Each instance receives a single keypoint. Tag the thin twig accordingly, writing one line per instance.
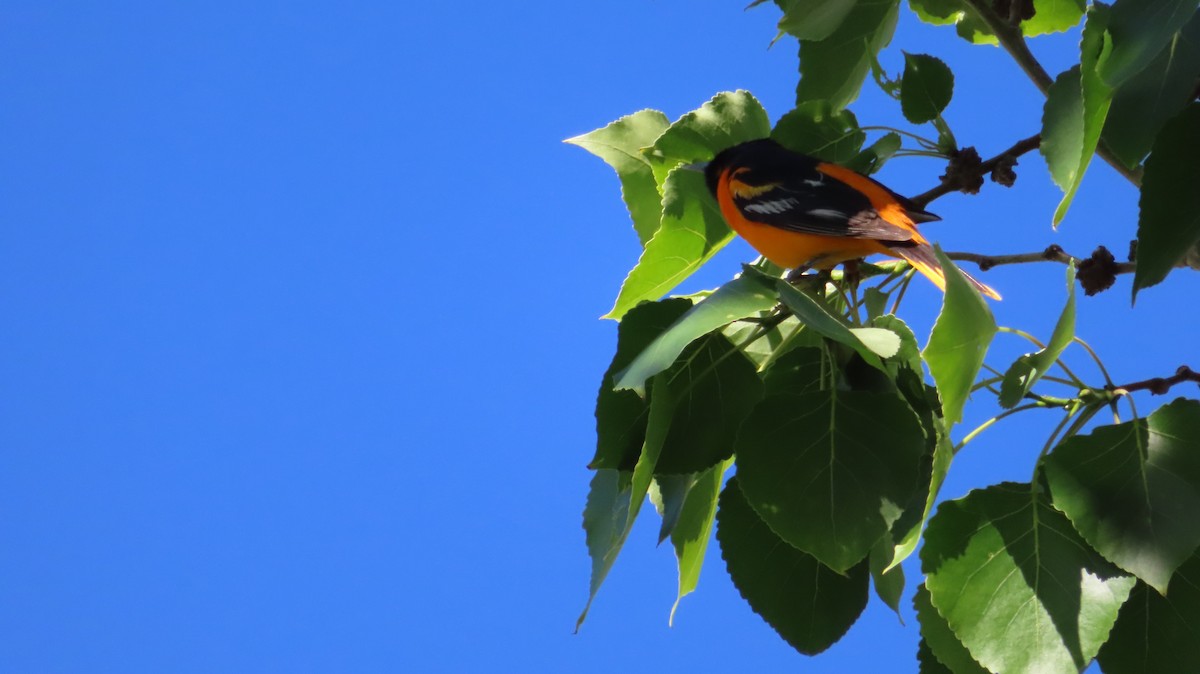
(1158, 385)
(1053, 253)
(953, 184)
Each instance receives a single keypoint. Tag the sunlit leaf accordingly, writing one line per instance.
(619, 144)
(1133, 490)
(1050, 16)
(833, 69)
(1053, 16)
(815, 128)
(943, 456)
(1076, 107)
(744, 296)
(810, 605)
(1016, 584)
(959, 341)
(940, 639)
(823, 473)
(692, 231)
(729, 118)
(1169, 222)
(691, 533)
(1031, 367)
(818, 317)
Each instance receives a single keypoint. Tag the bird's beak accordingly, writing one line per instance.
(695, 166)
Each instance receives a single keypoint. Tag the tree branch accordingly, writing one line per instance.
(1013, 41)
(1095, 273)
(1053, 253)
(1159, 385)
(954, 181)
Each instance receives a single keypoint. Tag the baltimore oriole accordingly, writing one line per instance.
(799, 211)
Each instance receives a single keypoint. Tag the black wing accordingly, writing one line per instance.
(800, 198)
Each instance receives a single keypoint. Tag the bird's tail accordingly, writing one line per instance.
(922, 258)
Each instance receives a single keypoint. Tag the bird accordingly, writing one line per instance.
(804, 213)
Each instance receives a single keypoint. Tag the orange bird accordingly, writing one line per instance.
(799, 211)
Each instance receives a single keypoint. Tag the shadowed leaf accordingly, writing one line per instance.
(811, 606)
(1133, 490)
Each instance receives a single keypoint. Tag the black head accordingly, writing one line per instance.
(764, 153)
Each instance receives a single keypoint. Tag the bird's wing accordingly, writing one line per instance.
(808, 201)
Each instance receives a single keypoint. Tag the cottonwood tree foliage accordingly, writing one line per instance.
(1096, 556)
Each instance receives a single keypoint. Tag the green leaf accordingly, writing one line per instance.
(959, 341)
(619, 144)
(746, 295)
(824, 474)
(939, 12)
(909, 352)
(881, 341)
(815, 128)
(833, 69)
(874, 157)
(658, 425)
(777, 341)
(714, 387)
(1144, 102)
(1169, 222)
(1133, 490)
(1074, 113)
(943, 456)
(888, 580)
(875, 301)
(816, 315)
(1053, 16)
(1156, 633)
(606, 521)
(621, 415)
(1028, 369)
(1140, 29)
(691, 533)
(1016, 584)
(809, 20)
(1062, 128)
(927, 663)
(810, 605)
(940, 639)
(692, 231)
(926, 88)
(725, 120)
(668, 493)
(801, 370)
(969, 25)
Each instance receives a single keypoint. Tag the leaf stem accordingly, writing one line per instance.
(929, 144)
(987, 424)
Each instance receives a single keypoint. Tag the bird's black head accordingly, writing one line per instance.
(763, 153)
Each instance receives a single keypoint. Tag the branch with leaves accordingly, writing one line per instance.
(789, 382)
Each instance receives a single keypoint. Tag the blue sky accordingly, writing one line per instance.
(301, 338)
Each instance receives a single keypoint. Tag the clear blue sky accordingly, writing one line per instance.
(300, 337)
